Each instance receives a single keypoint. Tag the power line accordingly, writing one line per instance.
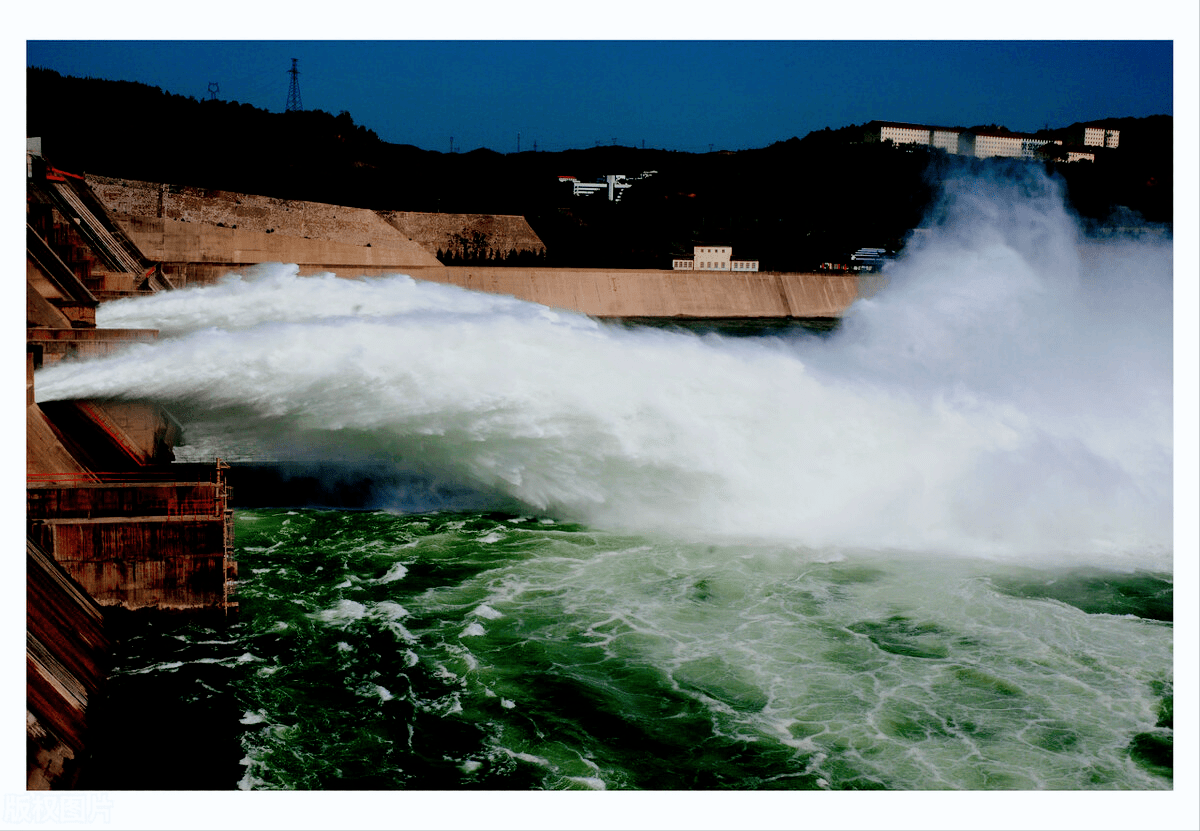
(293, 101)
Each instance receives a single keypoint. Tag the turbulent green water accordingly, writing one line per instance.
(478, 650)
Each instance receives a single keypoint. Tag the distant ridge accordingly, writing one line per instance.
(790, 205)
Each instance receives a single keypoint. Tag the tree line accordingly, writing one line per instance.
(790, 205)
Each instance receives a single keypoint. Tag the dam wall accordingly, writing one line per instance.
(247, 212)
(661, 293)
(199, 235)
(433, 232)
(66, 656)
(454, 233)
(204, 253)
(136, 545)
(191, 252)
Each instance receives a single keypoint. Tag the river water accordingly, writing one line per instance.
(930, 548)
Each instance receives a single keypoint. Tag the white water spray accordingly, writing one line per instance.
(1010, 391)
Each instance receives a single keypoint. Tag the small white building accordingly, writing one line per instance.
(713, 258)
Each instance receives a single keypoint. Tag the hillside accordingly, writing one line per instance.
(790, 205)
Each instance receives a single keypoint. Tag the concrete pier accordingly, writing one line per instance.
(162, 545)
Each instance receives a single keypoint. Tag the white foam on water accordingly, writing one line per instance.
(528, 757)
(166, 666)
(396, 572)
(344, 612)
(390, 609)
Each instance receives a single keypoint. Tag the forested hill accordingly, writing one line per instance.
(791, 205)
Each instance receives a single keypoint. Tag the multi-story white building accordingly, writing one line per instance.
(945, 139)
(1007, 145)
(979, 143)
(1097, 135)
(713, 258)
(951, 139)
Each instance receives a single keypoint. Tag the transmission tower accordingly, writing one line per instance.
(293, 104)
(213, 89)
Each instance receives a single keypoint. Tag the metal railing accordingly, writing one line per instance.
(186, 475)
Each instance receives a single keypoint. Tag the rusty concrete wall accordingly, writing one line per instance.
(141, 562)
(445, 232)
(123, 499)
(66, 655)
(144, 540)
(41, 312)
(658, 293)
(57, 344)
(147, 536)
(149, 428)
(111, 436)
(45, 453)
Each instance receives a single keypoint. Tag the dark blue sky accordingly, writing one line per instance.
(679, 95)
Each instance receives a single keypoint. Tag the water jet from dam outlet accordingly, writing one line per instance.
(1010, 392)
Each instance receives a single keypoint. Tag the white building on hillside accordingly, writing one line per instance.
(614, 184)
(979, 143)
(951, 139)
(713, 258)
(1097, 136)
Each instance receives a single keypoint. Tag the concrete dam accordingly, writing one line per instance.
(198, 235)
(112, 521)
